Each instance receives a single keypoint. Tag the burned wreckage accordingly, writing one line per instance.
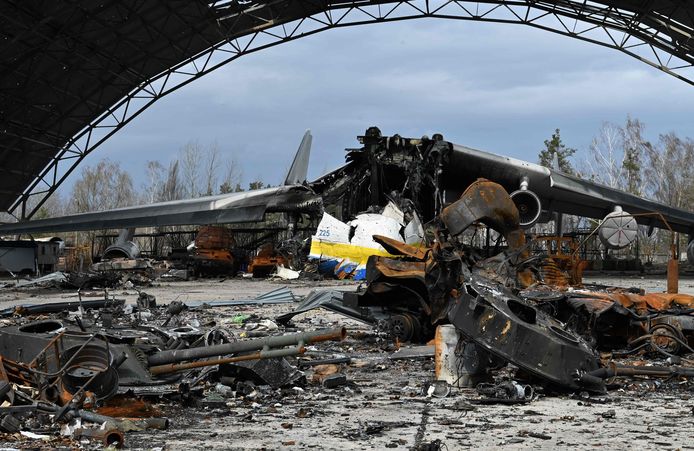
(98, 366)
(403, 215)
(514, 303)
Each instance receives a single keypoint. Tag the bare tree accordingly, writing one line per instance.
(616, 155)
(172, 188)
(231, 181)
(668, 171)
(668, 175)
(606, 156)
(154, 183)
(211, 168)
(102, 187)
(191, 158)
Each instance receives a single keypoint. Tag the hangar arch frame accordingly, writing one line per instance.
(249, 27)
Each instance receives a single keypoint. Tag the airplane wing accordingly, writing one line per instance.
(245, 206)
(559, 192)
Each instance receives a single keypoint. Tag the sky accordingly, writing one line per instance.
(500, 88)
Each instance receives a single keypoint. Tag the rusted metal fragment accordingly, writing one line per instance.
(673, 272)
(483, 201)
(562, 267)
(615, 317)
(111, 437)
(490, 204)
(517, 332)
(266, 261)
(396, 247)
(395, 269)
(643, 303)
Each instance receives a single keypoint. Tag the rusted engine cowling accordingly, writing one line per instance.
(486, 202)
(489, 203)
(618, 230)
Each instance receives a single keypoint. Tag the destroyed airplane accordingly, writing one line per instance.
(343, 249)
(419, 176)
(504, 306)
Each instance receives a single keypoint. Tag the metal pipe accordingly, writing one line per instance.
(121, 423)
(673, 271)
(657, 371)
(108, 437)
(266, 343)
(175, 367)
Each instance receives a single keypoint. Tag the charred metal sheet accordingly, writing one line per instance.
(331, 300)
(517, 332)
(396, 247)
(279, 296)
(24, 343)
(393, 268)
(57, 307)
(276, 372)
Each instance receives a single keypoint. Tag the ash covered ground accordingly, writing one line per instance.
(385, 403)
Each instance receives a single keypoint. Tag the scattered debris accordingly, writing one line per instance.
(481, 330)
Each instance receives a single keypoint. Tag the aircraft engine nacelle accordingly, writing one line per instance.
(528, 204)
(618, 229)
(127, 249)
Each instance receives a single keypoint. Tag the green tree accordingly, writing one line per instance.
(225, 188)
(634, 149)
(555, 148)
(256, 185)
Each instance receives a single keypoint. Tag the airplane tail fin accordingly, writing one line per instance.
(298, 172)
(555, 161)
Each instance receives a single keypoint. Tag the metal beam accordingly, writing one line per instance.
(659, 37)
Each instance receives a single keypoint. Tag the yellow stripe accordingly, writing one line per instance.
(340, 251)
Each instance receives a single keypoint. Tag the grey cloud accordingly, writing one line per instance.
(501, 88)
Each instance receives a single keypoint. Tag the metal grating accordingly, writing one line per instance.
(73, 73)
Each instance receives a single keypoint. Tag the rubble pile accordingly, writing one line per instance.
(75, 373)
(454, 331)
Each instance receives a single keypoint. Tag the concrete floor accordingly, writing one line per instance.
(383, 406)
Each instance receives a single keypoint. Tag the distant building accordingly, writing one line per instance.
(30, 257)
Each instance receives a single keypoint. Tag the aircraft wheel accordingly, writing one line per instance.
(402, 327)
(416, 327)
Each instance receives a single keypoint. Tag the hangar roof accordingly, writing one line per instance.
(65, 64)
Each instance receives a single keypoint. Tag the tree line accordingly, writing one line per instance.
(619, 156)
(197, 171)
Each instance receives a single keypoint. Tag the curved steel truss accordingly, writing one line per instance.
(657, 33)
